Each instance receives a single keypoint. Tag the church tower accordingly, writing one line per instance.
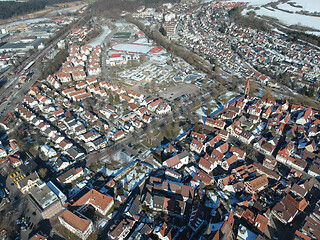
(247, 88)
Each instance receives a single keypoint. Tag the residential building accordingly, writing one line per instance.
(77, 224)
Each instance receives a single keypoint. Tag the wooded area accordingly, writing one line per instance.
(114, 7)
(310, 38)
(249, 20)
(9, 8)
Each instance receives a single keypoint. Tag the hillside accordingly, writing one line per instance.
(11, 8)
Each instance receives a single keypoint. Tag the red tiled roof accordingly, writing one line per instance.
(37, 236)
(261, 222)
(173, 161)
(301, 236)
(205, 163)
(249, 216)
(94, 198)
(58, 112)
(259, 182)
(75, 221)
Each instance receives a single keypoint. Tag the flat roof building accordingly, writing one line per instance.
(46, 202)
(20, 46)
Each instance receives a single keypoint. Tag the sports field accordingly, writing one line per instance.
(121, 35)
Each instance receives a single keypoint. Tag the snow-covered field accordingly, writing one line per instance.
(213, 200)
(121, 157)
(119, 24)
(255, 2)
(308, 5)
(63, 11)
(229, 94)
(105, 32)
(259, 128)
(288, 7)
(291, 18)
(134, 177)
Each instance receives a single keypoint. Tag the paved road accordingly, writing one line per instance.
(14, 97)
(21, 207)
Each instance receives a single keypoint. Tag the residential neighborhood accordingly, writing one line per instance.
(169, 120)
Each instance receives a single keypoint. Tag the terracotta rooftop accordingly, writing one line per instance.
(261, 222)
(94, 198)
(259, 182)
(38, 236)
(173, 161)
(75, 221)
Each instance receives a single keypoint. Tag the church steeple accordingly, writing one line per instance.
(247, 88)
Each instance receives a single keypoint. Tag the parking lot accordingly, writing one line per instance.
(172, 93)
(20, 212)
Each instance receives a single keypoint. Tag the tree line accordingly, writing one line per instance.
(10, 8)
(249, 20)
(54, 65)
(310, 38)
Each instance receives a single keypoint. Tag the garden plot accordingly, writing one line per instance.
(135, 176)
(227, 96)
(212, 106)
